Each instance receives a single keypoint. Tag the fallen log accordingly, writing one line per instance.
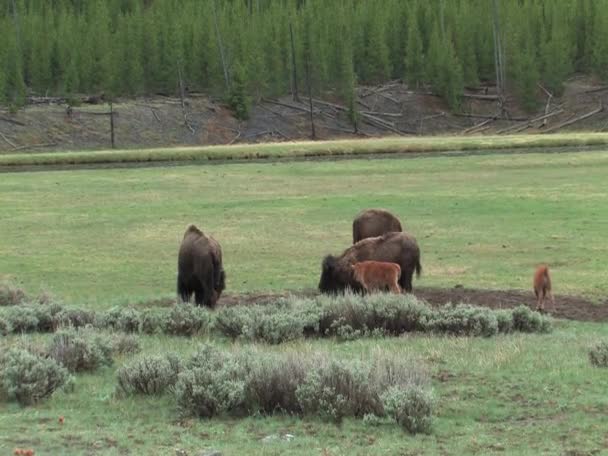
(477, 96)
(36, 146)
(8, 141)
(576, 119)
(478, 126)
(516, 128)
(11, 121)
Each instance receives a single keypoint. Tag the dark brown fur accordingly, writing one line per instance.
(401, 248)
(199, 268)
(378, 275)
(542, 287)
(373, 223)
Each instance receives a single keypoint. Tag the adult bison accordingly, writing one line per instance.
(401, 248)
(374, 222)
(199, 268)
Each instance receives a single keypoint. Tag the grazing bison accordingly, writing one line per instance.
(542, 287)
(401, 248)
(374, 222)
(378, 275)
(199, 268)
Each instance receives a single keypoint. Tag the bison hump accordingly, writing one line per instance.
(193, 229)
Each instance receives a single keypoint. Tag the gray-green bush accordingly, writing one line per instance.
(463, 320)
(185, 320)
(598, 354)
(411, 408)
(149, 375)
(215, 382)
(125, 344)
(80, 350)
(10, 295)
(29, 378)
(351, 316)
(525, 320)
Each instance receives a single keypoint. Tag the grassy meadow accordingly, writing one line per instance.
(93, 237)
(97, 238)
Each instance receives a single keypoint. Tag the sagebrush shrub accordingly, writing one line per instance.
(185, 320)
(337, 389)
(272, 382)
(46, 313)
(526, 320)
(213, 383)
(463, 320)
(412, 408)
(5, 327)
(29, 378)
(150, 322)
(22, 319)
(80, 350)
(125, 344)
(11, 295)
(272, 323)
(124, 319)
(598, 354)
(76, 318)
(150, 375)
(504, 319)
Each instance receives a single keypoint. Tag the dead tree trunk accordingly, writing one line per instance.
(312, 120)
(112, 125)
(294, 68)
(499, 56)
(221, 46)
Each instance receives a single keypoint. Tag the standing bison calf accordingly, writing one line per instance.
(542, 287)
(378, 275)
(199, 268)
(374, 222)
(400, 248)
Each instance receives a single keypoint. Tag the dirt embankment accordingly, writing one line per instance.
(390, 109)
(568, 307)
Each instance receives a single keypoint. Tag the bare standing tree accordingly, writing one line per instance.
(499, 52)
(294, 68)
(220, 45)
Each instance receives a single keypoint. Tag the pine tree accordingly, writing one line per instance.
(465, 45)
(237, 98)
(414, 57)
(600, 41)
(14, 84)
(557, 51)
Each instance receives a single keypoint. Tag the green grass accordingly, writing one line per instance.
(98, 237)
(518, 394)
(306, 149)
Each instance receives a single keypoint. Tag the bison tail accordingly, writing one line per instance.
(418, 268)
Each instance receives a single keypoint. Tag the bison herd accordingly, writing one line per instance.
(382, 257)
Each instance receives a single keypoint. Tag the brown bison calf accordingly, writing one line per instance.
(378, 275)
(542, 287)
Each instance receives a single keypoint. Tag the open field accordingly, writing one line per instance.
(96, 238)
(388, 145)
(99, 236)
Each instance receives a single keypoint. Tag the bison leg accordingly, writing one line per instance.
(540, 303)
(183, 292)
(395, 287)
(199, 296)
(552, 299)
(406, 280)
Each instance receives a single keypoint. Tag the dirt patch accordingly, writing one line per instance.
(393, 108)
(568, 307)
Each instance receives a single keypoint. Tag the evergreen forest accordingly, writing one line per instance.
(246, 49)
